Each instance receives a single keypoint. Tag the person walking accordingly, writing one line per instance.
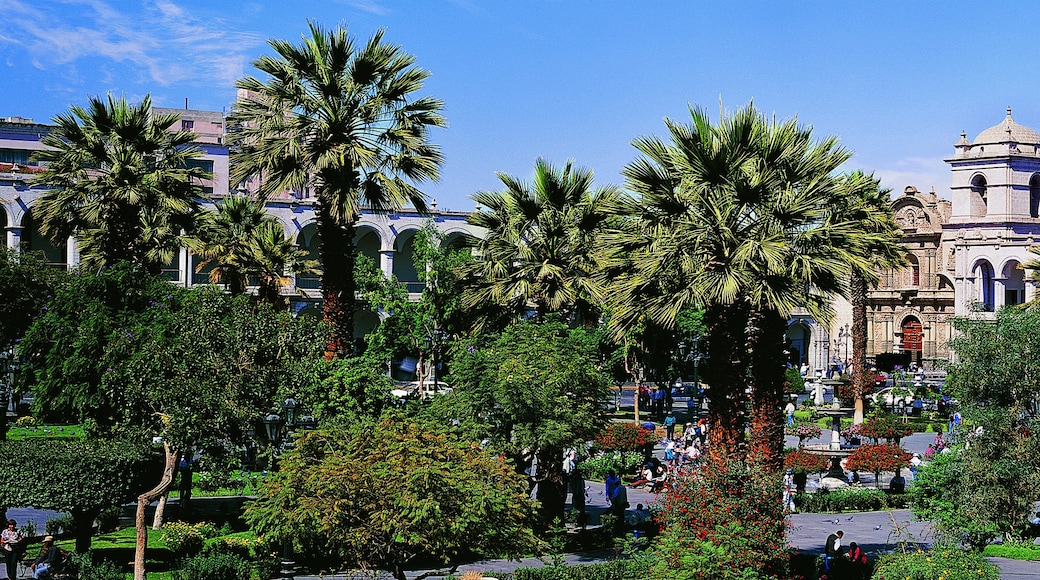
(790, 412)
(669, 426)
(618, 506)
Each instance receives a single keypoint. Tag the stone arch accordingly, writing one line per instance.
(307, 239)
(912, 332)
(980, 195)
(404, 259)
(55, 255)
(944, 282)
(798, 339)
(983, 281)
(368, 242)
(1014, 282)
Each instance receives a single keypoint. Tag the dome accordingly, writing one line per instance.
(1007, 131)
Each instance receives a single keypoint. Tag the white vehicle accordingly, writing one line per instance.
(411, 390)
(893, 396)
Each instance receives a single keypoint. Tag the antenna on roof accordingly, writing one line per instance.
(185, 103)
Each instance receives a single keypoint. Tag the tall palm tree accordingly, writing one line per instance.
(340, 118)
(865, 202)
(274, 256)
(119, 181)
(733, 217)
(539, 243)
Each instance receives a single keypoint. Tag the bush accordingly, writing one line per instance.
(59, 525)
(805, 462)
(85, 567)
(215, 480)
(945, 563)
(25, 422)
(184, 539)
(214, 566)
(623, 437)
(620, 461)
(108, 520)
(238, 546)
(850, 499)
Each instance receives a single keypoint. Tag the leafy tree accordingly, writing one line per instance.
(349, 389)
(540, 244)
(25, 286)
(339, 118)
(81, 477)
(120, 182)
(998, 363)
(123, 350)
(531, 391)
(380, 493)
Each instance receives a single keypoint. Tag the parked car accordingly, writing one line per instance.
(411, 390)
(893, 396)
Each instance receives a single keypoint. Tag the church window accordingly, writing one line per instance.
(978, 186)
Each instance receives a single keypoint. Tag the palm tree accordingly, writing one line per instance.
(733, 217)
(241, 241)
(863, 201)
(539, 244)
(119, 181)
(340, 118)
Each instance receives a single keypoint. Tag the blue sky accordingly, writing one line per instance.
(896, 81)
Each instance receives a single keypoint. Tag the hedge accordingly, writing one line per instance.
(850, 499)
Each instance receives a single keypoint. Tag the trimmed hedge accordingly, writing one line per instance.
(615, 570)
(851, 499)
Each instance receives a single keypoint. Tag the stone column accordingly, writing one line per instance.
(14, 237)
(71, 253)
(386, 262)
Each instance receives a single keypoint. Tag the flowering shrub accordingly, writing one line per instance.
(184, 539)
(26, 421)
(885, 427)
(803, 431)
(878, 458)
(623, 437)
(10, 168)
(852, 432)
(945, 563)
(724, 521)
(805, 462)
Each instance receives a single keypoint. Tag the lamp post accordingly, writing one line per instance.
(434, 341)
(279, 433)
(843, 336)
(692, 352)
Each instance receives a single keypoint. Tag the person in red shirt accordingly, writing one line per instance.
(859, 561)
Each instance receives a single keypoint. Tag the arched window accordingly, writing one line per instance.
(978, 187)
(1034, 196)
(984, 285)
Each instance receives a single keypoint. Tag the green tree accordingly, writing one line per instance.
(80, 477)
(120, 182)
(380, 493)
(539, 244)
(25, 286)
(998, 362)
(339, 118)
(532, 391)
(123, 350)
(734, 217)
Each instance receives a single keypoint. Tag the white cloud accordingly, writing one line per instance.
(368, 6)
(924, 173)
(165, 43)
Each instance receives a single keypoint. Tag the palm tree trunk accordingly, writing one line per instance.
(766, 340)
(337, 282)
(860, 373)
(725, 375)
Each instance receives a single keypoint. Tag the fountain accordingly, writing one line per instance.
(833, 450)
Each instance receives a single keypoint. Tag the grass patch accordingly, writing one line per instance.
(1014, 552)
(15, 433)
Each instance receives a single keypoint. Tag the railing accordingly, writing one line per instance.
(308, 282)
(414, 287)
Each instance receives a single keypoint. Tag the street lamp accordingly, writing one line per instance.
(843, 336)
(691, 352)
(433, 342)
(280, 440)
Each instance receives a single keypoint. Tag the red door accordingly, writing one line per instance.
(912, 335)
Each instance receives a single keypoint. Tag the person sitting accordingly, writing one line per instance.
(858, 567)
(49, 560)
(658, 477)
(645, 476)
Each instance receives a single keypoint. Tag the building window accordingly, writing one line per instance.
(187, 125)
(1034, 196)
(978, 186)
